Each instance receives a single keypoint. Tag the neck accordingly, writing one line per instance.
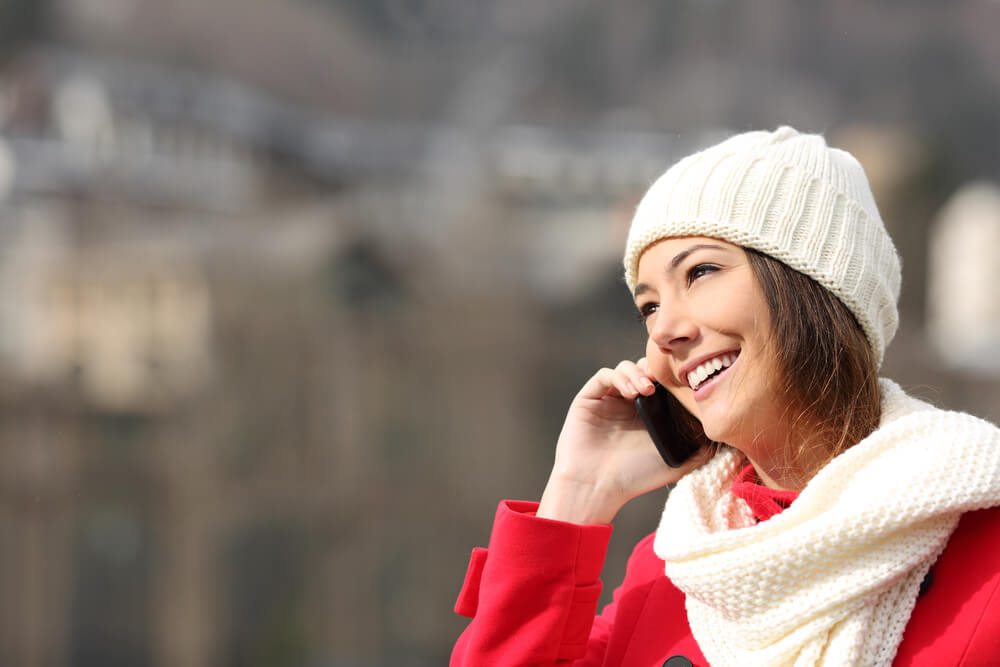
(785, 447)
(780, 479)
(778, 468)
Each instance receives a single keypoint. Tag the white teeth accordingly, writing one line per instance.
(698, 375)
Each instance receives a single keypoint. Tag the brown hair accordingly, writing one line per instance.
(830, 379)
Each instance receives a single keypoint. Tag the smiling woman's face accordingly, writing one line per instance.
(709, 333)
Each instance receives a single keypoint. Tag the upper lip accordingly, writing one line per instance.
(698, 361)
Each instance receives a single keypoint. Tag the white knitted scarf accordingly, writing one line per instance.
(833, 579)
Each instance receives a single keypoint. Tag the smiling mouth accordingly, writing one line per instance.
(710, 368)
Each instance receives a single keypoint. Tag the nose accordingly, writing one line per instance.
(673, 327)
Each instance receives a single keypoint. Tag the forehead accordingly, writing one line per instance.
(666, 250)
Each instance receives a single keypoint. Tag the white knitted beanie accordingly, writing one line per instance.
(792, 197)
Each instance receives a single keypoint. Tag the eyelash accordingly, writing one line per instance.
(694, 273)
(699, 270)
(646, 310)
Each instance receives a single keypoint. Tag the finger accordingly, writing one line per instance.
(623, 381)
(608, 382)
(636, 377)
(643, 364)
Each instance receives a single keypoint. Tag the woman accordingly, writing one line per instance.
(827, 518)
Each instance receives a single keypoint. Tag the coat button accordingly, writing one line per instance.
(677, 661)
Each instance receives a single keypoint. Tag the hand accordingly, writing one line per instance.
(604, 456)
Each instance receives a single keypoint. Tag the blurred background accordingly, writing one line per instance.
(292, 292)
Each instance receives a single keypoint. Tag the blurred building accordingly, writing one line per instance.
(273, 344)
(132, 216)
(213, 369)
(963, 304)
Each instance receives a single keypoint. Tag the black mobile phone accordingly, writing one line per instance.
(660, 413)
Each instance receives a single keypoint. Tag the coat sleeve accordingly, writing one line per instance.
(532, 596)
(957, 620)
(983, 530)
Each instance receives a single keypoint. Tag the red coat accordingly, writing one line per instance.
(533, 595)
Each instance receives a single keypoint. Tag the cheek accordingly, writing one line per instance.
(657, 361)
(660, 368)
(686, 398)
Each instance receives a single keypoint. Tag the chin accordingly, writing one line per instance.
(716, 435)
(717, 431)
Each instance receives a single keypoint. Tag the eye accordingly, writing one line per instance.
(699, 270)
(647, 309)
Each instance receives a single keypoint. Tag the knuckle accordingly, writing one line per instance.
(604, 375)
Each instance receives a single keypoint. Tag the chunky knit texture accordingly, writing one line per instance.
(833, 579)
(789, 196)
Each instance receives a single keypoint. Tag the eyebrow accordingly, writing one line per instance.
(678, 258)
